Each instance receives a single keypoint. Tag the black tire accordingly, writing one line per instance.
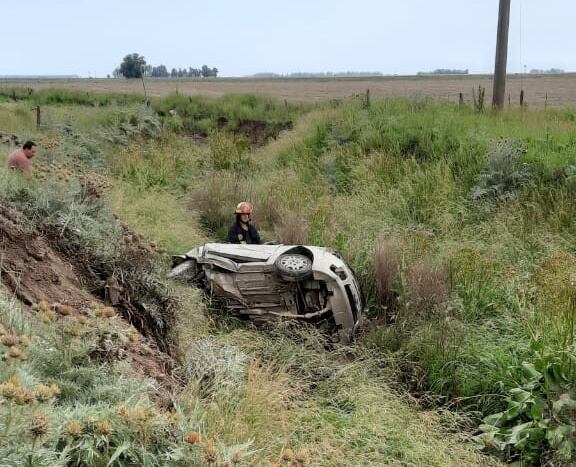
(293, 267)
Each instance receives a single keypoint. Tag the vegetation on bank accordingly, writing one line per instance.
(458, 223)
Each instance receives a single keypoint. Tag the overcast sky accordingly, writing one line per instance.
(90, 38)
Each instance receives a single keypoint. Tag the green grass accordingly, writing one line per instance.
(159, 217)
(401, 170)
(405, 171)
(56, 97)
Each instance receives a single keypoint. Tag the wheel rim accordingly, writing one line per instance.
(294, 263)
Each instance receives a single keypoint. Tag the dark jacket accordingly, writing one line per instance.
(237, 234)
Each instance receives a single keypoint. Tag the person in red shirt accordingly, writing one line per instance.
(20, 158)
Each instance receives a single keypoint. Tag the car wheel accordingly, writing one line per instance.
(185, 271)
(293, 267)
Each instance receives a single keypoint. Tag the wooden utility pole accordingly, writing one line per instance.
(501, 55)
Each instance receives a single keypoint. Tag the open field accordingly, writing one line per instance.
(560, 89)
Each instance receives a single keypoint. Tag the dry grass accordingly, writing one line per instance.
(387, 263)
(292, 230)
(427, 284)
(561, 89)
(216, 199)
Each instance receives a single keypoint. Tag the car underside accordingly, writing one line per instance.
(271, 282)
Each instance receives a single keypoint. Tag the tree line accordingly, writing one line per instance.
(135, 66)
(443, 71)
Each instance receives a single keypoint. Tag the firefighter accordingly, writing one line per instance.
(242, 231)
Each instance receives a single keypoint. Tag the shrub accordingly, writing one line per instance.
(227, 153)
(540, 413)
(504, 173)
(78, 146)
(139, 123)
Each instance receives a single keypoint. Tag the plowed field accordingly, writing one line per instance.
(540, 90)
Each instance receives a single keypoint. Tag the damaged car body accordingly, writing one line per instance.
(268, 282)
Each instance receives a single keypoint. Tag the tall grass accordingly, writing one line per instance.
(409, 171)
(473, 280)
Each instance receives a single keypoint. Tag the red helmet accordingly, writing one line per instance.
(243, 208)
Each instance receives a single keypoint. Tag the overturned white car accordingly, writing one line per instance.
(266, 282)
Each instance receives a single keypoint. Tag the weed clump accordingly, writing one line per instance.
(504, 173)
(132, 126)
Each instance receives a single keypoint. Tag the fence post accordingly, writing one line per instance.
(368, 98)
(38, 116)
(522, 98)
(461, 99)
(546, 102)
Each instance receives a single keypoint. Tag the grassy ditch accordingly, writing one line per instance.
(462, 213)
(458, 223)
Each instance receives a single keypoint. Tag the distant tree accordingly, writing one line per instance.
(443, 71)
(160, 72)
(116, 73)
(133, 66)
(551, 71)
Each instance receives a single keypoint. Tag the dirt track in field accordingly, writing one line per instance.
(559, 89)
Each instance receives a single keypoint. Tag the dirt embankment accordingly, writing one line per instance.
(32, 271)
